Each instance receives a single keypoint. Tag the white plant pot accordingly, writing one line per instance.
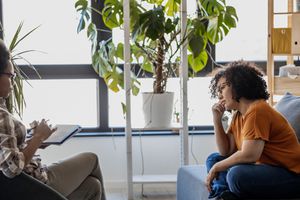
(158, 109)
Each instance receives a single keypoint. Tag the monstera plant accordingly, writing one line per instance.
(16, 102)
(155, 31)
(155, 43)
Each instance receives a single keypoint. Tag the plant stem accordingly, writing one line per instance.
(160, 79)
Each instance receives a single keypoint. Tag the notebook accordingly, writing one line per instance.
(63, 132)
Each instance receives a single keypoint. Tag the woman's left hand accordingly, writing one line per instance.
(212, 174)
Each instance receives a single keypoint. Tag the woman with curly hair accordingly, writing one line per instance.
(259, 154)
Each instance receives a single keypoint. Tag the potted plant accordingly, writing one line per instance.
(15, 103)
(155, 33)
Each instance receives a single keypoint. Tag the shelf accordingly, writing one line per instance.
(285, 13)
(286, 54)
(173, 127)
(283, 41)
(286, 84)
(154, 179)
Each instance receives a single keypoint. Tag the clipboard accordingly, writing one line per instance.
(63, 132)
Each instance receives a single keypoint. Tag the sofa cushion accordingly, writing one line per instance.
(191, 183)
(289, 107)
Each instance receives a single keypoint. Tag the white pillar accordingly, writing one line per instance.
(184, 133)
(127, 81)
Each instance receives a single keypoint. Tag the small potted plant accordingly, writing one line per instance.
(15, 103)
(155, 33)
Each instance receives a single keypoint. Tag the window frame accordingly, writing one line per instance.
(86, 71)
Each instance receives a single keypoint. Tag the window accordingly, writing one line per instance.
(249, 40)
(56, 40)
(62, 101)
(64, 63)
(69, 88)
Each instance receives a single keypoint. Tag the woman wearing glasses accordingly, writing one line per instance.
(259, 154)
(78, 177)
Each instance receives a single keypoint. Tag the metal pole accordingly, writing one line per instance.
(126, 11)
(184, 134)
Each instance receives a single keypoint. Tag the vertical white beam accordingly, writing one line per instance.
(290, 58)
(126, 11)
(183, 88)
(270, 59)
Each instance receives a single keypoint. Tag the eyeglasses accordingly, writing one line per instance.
(12, 76)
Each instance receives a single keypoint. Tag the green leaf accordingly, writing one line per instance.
(135, 12)
(114, 79)
(82, 7)
(124, 108)
(136, 53)
(150, 24)
(221, 19)
(169, 26)
(147, 66)
(230, 18)
(213, 32)
(172, 7)
(96, 63)
(81, 24)
(92, 32)
(213, 7)
(198, 63)
(196, 45)
(120, 51)
(16, 40)
(157, 2)
(103, 62)
(135, 87)
(112, 13)
(92, 36)
(197, 39)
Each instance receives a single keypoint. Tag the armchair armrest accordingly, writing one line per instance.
(24, 186)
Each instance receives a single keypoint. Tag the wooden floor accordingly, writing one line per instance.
(147, 193)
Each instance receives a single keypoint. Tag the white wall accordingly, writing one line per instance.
(161, 154)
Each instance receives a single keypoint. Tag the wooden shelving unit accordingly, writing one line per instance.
(280, 85)
(284, 84)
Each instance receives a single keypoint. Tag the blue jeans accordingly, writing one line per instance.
(254, 180)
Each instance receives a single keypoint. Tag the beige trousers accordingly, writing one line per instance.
(78, 177)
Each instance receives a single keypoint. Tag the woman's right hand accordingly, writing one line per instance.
(42, 131)
(218, 110)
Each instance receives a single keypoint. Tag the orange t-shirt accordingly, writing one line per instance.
(262, 122)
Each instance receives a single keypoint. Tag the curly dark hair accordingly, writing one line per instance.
(4, 56)
(245, 78)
